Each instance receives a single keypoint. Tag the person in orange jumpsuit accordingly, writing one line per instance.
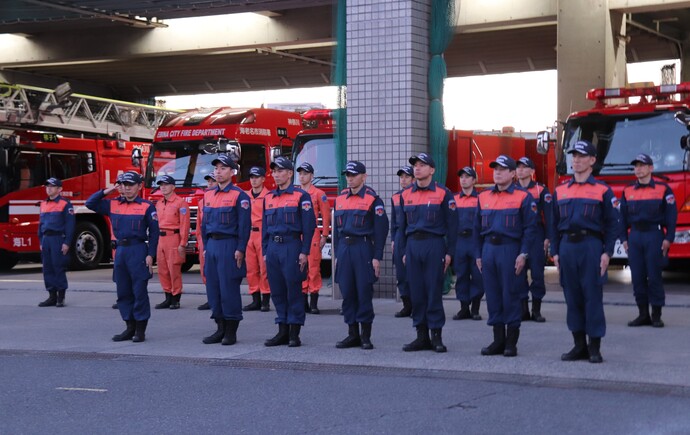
(212, 183)
(313, 283)
(256, 266)
(173, 220)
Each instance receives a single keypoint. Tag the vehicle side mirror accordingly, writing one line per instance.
(275, 153)
(543, 139)
(683, 118)
(137, 156)
(685, 142)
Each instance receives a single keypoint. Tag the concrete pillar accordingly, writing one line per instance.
(387, 63)
(590, 52)
(685, 61)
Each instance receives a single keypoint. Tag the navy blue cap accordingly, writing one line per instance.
(53, 182)
(504, 161)
(119, 179)
(424, 158)
(407, 169)
(131, 178)
(225, 160)
(469, 171)
(306, 167)
(526, 161)
(583, 147)
(165, 179)
(355, 167)
(644, 159)
(282, 163)
(257, 171)
(210, 176)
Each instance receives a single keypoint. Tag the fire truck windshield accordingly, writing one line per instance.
(619, 138)
(320, 152)
(184, 162)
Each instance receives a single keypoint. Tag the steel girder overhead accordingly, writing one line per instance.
(100, 45)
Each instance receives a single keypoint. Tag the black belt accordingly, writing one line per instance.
(216, 236)
(466, 233)
(283, 238)
(256, 229)
(500, 240)
(129, 242)
(580, 235)
(424, 236)
(53, 233)
(351, 240)
(645, 226)
(169, 232)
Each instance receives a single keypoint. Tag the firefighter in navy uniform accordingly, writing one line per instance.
(504, 232)
(537, 255)
(648, 209)
(585, 228)
(406, 177)
(55, 234)
(360, 228)
(287, 230)
(469, 287)
(225, 233)
(429, 226)
(134, 223)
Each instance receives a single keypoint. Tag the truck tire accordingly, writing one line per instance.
(87, 248)
(7, 261)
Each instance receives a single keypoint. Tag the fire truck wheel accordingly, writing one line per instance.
(87, 248)
(7, 261)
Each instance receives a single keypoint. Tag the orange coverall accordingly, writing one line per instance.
(173, 220)
(199, 241)
(321, 206)
(256, 266)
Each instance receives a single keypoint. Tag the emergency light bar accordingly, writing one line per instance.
(601, 94)
(317, 114)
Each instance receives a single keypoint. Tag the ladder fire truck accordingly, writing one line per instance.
(185, 146)
(623, 123)
(85, 141)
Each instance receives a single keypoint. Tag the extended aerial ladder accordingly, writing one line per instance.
(60, 109)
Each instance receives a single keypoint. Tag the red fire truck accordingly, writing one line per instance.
(623, 123)
(185, 146)
(85, 141)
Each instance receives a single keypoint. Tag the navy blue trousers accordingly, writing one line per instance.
(501, 285)
(223, 279)
(468, 283)
(131, 280)
(425, 260)
(646, 265)
(535, 265)
(354, 274)
(54, 263)
(285, 280)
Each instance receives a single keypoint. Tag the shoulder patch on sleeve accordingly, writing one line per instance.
(244, 204)
(670, 199)
(533, 207)
(324, 198)
(183, 210)
(71, 209)
(615, 203)
(452, 205)
(548, 198)
(306, 205)
(378, 210)
(154, 215)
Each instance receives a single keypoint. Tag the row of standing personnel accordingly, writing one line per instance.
(424, 234)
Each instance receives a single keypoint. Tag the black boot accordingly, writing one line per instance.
(166, 303)
(352, 340)
(60, 302)
(255, 304)
(536, 311)
(266, 302)
(498, 346)
(217, 336)
(422, 342)
(643, 318)
(464, 312)
(128, 333)
(512, 335)
(406, 309)
(474, 308)
(282, 337)
(175, 301)
(579, 351)
(656, 317)
(366, 336)
(203, 306)
(595, 350)
(51, 301)
(230, 332)
(293, 335)
(314, 305)
(437, 342)
(307, 309)
(525, 310)
(140, 331)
